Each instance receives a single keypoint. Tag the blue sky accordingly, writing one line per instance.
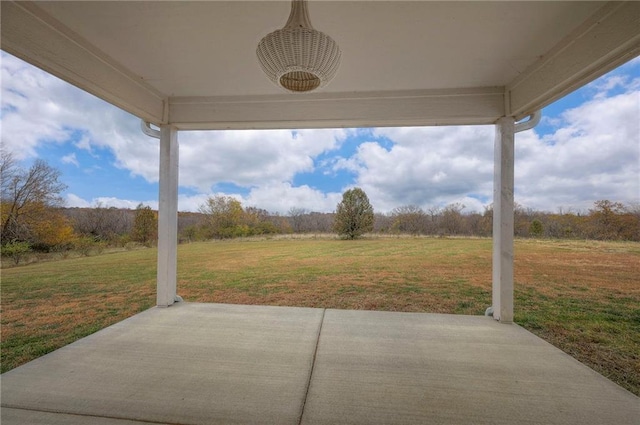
(586, 148)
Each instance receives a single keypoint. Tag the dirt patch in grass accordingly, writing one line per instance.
(583, 297)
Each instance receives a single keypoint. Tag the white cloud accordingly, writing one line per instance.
(594, 153)
(282, 196)
(74, 201)
(426, 166)
(39, 109)
(602, 87)
(24, 122)
(251, 158)
(275, 198)
(70, 159)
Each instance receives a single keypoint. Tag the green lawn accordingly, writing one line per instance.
(583, 297)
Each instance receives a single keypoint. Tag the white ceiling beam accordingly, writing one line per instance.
(405, 108)
(32, 35)
(608, 39)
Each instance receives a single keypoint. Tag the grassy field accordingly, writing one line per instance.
(583, 297)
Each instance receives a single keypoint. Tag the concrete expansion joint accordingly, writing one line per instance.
(84, 415)
(313, 365)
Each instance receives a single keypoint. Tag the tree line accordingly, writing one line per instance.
(35, 219)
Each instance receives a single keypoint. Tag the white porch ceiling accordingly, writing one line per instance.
(193, 64)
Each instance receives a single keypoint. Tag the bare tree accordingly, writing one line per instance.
(382, 223)
(452, 220)
(8, 170)
(434, 219)
(475, 224)
(318, 222)
(25, 194)
(297, 218)
(409, 219)
(610, 221)
(100, 222)
(189, 226)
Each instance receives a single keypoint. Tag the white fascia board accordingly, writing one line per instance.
(606, 40)
(32, 35)
(317, 110)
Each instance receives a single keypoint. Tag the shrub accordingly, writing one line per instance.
(536, 229)
(86, 245)
(16, 250)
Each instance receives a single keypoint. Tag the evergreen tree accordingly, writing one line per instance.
(145, 226)
(536, 228)
(354, 215)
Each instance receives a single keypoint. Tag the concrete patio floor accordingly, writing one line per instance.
(232, 364)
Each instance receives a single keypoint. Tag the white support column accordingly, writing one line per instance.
(503, 220)
(168, 217)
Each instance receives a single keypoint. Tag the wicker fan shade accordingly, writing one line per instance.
(297, 57)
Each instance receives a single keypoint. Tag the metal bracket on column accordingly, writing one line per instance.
(146, 129)
(533, 120)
